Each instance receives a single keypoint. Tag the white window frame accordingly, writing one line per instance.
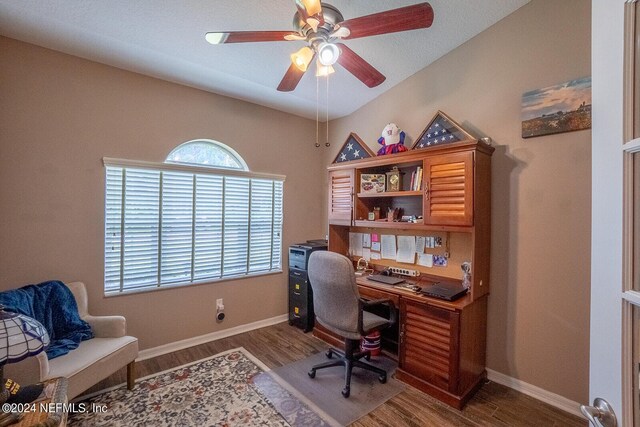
(196, 170)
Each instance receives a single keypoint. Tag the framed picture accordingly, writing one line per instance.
(561, 108)
(372, 183)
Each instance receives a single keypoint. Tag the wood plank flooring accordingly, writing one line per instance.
(493, 405)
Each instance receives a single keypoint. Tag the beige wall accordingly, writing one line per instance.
(59, 115)
(540, 260)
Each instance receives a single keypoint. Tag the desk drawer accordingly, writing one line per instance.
(371, 293)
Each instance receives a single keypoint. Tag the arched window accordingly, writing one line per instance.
(201, 216)
(206, 152)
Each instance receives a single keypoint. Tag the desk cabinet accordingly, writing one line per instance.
(441, 351)
(448, 184)
(428, 342)
(341, 190)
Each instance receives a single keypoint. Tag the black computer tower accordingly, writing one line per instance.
(300, 292)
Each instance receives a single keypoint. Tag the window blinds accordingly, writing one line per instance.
(165, 226)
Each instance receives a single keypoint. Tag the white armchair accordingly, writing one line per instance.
(93, 361)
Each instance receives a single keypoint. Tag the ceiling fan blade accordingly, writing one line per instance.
(294, 37)
(360, 68)
(291, 79)
(247, 36)
(392, 21)
(311, 12)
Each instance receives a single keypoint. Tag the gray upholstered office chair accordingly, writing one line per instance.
(339, 308)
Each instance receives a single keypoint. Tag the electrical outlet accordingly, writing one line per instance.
(404, 271)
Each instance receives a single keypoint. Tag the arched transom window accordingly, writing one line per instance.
(206, 152)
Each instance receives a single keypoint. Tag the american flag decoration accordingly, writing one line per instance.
(441, 130)
(353, 149)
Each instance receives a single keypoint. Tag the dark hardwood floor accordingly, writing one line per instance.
(493, 405)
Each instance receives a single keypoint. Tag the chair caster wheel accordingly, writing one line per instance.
(329, 354)
(312, 373)
(367, 357)
(346, 392)
(382, 379)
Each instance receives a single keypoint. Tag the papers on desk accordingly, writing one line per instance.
(402, 249)
(406, 249)
(388, 246)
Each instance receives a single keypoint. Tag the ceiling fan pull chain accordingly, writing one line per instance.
(327, 143)
(317, 112)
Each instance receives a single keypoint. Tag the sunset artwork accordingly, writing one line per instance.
(561, 108)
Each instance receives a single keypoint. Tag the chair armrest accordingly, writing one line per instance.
(107, 326)
(393, 314)
(28, 371)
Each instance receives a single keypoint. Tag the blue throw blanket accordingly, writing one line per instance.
(53, 305)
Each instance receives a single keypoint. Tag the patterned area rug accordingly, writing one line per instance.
(218, 391)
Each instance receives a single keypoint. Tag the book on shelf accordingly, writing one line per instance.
(416, 179)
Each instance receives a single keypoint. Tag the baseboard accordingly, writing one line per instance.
(545, 396)
(148, 353)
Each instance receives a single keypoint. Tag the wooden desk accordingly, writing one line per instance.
(442, 344)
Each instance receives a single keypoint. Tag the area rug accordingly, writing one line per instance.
(323, 393)
(217, 391)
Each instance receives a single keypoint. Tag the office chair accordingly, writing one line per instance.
(339, 308)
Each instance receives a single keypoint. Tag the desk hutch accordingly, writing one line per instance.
(440, 345)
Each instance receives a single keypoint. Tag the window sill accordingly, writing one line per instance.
(181, 285)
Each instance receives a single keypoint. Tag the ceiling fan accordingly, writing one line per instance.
(321, 25)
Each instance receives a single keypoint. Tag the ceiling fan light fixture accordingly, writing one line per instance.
(302, 58)
(216, 38)
(328, 53)
(324, 70)
(313, 7)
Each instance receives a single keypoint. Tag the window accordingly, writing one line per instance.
(175, 224)
(204, 152)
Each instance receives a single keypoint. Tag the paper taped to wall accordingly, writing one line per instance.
(388, 246)
(406, 249)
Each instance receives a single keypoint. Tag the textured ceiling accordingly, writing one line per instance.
(165, 39)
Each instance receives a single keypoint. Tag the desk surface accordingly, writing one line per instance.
(458, 304)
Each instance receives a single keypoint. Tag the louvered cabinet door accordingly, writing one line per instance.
(428, 344)
(448, 184)
(341, 197)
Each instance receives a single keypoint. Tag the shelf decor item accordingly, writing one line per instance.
(353, 148)
(442, 129)
(394, 179)
(372, 183)
(392, 140)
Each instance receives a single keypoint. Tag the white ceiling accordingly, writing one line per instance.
(165, 39)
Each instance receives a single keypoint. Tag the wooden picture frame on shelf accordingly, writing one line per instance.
(441, 130)
(354, 148)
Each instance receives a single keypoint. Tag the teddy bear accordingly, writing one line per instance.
(392, 140)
